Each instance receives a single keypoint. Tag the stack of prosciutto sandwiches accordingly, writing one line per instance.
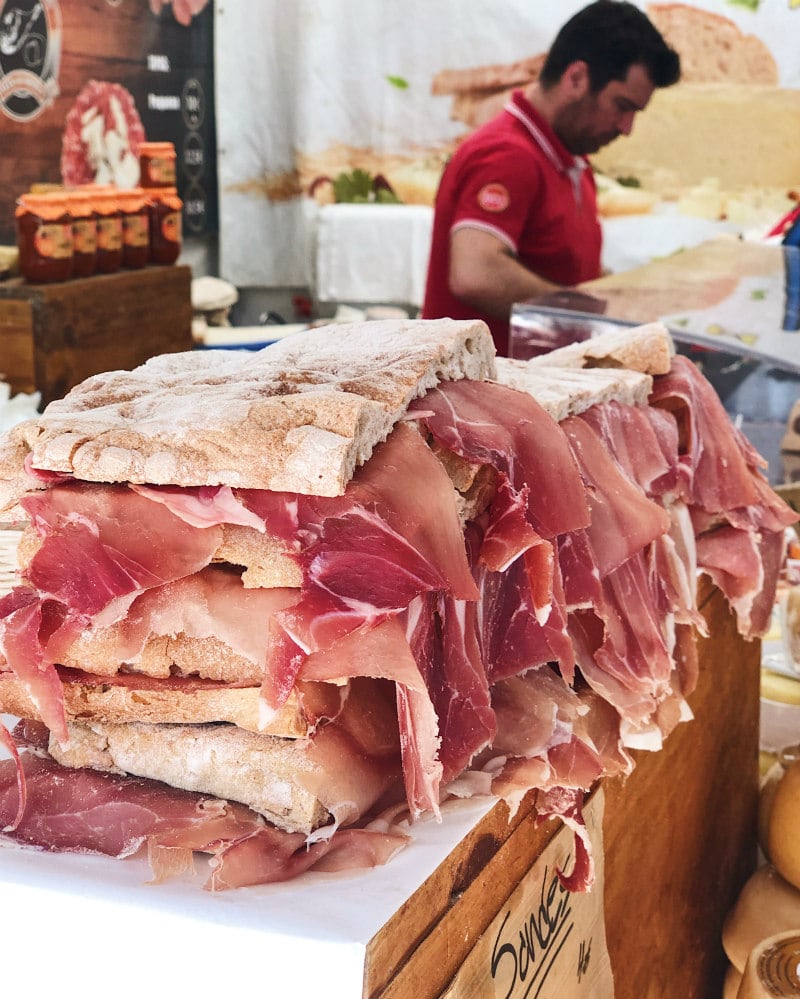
(271, 603)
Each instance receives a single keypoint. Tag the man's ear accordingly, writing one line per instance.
(575, 79)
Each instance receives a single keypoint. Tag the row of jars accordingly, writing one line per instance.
(70, 233)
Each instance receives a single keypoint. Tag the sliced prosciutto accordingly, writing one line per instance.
(623, 649)
(623, 519)
(539, 496)
(498, 426)
(738, 519)
(716, 456)
(394, 535)
(85, 811)
(643, 441)
(91, 812)
(210, 604)
(98, 543)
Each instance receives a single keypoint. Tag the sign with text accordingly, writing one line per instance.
(545, 942)
(81, 85)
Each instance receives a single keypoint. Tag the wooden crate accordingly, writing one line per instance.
(679, 842)
(53, 336)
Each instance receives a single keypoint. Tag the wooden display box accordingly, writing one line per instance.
(680, 841)
(53, 336)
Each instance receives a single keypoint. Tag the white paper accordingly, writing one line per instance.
(96, 921)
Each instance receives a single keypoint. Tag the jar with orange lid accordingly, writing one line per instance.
(135, 227)
(109, 229)
(44, 237)
(157, 164)
(165, 209)
(84, 233)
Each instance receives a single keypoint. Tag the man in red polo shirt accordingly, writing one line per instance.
(516, 212)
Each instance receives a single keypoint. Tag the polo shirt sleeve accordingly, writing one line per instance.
(497, 192)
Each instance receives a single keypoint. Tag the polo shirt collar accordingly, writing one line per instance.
(547, 140)
(542, 132)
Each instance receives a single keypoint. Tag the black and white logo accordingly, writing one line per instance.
(30, 51)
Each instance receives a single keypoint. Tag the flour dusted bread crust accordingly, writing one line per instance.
(261, 771)
(567, 392)
(615, 366)
(298, 416)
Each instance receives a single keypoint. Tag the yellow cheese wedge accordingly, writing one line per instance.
(780, 688)
(743, 136)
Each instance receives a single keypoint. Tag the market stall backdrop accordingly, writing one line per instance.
(82, 83)
(318, 87)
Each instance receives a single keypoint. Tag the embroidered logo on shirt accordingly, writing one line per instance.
(493, 198)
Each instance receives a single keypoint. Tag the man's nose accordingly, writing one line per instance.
(625, 122)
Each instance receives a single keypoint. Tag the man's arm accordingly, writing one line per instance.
(485, 274)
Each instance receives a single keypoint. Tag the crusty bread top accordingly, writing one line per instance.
(617, 365)
(567, 392)
(648, 349)
(297, 416)
(488, 78)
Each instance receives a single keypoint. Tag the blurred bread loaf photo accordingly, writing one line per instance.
(728, 120)
(713, 49)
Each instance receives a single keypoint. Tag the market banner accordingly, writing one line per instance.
(83, 82)
(310, 92)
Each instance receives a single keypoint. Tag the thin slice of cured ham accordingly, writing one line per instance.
(573, 738)
(98, 543)
(643, 441)
(443, 635)
(85, 811)
(202, 506)
(622, 645)
(567, 804)
(269, 855)
(91, 812)
(211, 603)
(492, 424)
(513, 635)
(726, 491)
(745, 565)
(21, 615)
(717, 456)
(623, 520)
(383, 652)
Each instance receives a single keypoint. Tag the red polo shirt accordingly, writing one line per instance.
(514, 178)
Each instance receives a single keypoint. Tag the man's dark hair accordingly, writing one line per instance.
(610, 36)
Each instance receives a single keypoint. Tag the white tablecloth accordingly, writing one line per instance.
(372, 253)
(378, 254)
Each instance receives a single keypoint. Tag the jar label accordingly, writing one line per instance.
(53, 240)
(134, 228)
(109, 234)
(171, 227)
(161, 172)
(84, 236)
